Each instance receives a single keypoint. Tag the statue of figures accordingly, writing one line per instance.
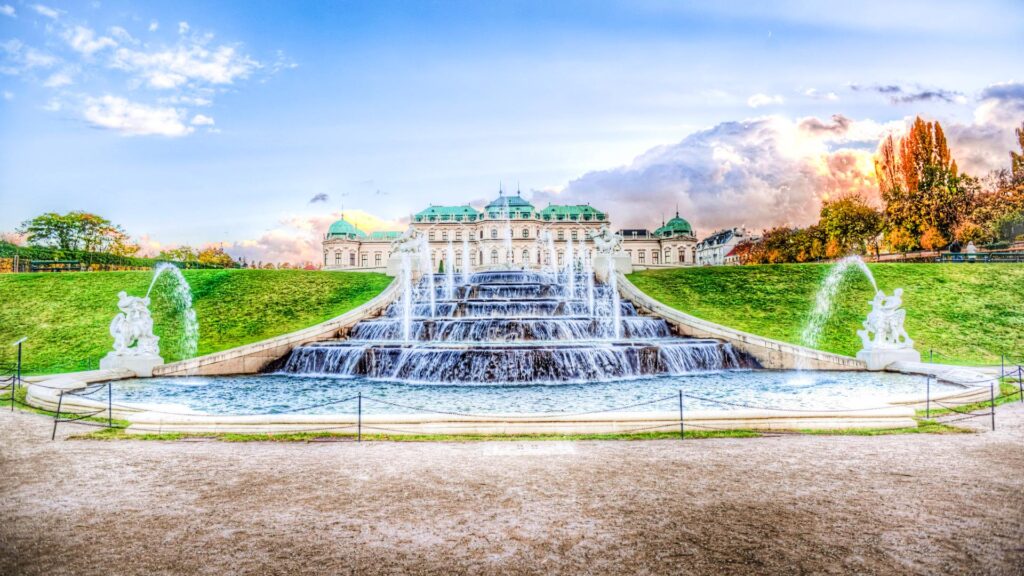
(133, 325)
(136, 348)
(606, 241)
(883, 327)
(409, 241)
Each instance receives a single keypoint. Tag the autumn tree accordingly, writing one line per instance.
(850, 224)
(215, 256)
(920, 184)
(179, 254)
(78, 231)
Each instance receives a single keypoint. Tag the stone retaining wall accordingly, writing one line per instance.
(253, 358)
(770, 353)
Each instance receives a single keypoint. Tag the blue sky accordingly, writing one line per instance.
(195, 122)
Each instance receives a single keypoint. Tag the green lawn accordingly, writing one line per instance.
(970, 313)
(66, 316)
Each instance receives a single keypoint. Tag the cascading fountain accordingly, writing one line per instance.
(512, 326)
(588, 273)
(467, 262)
(449, 270)
(552, 257)
(427, 269)
(570, 268)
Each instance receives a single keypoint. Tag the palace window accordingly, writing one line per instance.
(643, 256)
(352, 259)
(458, 235)
(444, 235)
(494, 255)
(561, 234)
(376, 259)
(654, 256)
(363, 258)
(526, 256)
(337, 258)
(458, 259)
(668, 255)
(431, 235)
(561, 258)
(575, 235)
(494, 233)
(682, 255)
(526, 232)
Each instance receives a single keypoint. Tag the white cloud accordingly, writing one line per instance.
(759, 100)
(154, 26)
(202, 120)
(185, 63)
(122, 35)
(8, 95)
(84, 40)
(47, 11)
(8, 10)
(53, 105)
(817, 95)
(760, 172)
(985, 143)
(134, 119)
(58, 79)
(19, 58)
(298, 239)
(182, 27)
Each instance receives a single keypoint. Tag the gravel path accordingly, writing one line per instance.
(912, 504)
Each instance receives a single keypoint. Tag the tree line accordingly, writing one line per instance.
(927, 203)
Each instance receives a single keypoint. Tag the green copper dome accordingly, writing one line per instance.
(674, 227)
(344, 229)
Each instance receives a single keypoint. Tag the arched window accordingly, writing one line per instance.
(494, 255)
(682, 255)
(526, 256)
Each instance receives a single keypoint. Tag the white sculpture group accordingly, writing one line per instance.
(883, 327)
(606, 241)
(884, 338)
(136, 348)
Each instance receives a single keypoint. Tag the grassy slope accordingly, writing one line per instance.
(66, 316)
(968, 312)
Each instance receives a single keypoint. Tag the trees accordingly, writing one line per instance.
(921, 186)
(78, 231)
(215, 256)
(851, 225)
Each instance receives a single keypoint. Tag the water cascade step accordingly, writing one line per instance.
(512, 326)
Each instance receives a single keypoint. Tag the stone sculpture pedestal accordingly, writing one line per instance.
(878, 358)
(620, 262)
(141, 364)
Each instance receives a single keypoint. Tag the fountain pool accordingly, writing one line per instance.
(280, 393)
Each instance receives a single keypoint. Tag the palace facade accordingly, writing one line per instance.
(487, 232)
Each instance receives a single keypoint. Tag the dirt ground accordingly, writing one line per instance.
(911, 504)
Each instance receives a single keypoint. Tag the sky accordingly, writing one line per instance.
(253, 124)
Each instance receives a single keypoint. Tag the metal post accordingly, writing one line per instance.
(1020, 382)
(928, 397)
(110, 405)
(992, 400)
(930, 361)
(56, 418)
(682, 428)
(359, 420)
(1002, 366)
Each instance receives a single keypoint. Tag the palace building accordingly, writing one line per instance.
(508, 231)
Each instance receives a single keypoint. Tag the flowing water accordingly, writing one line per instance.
(511, 326)
(826, 295)
(180, 294)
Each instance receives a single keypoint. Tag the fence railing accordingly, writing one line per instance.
(993, 257)
(957, 411)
